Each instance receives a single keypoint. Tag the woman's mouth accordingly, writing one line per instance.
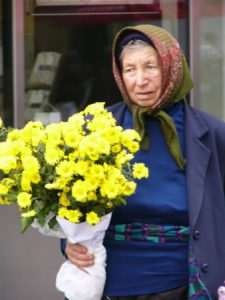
(144, 95)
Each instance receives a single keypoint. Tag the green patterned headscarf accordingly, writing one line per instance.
(176, 84)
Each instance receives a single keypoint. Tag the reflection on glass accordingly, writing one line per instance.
(68, 51)
(211, 62)
(1, 64)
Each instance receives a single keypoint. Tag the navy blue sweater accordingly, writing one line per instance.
(143, 267)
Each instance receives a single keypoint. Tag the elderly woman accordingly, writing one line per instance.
(166, 243)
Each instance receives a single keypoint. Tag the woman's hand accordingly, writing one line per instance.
(79, 255)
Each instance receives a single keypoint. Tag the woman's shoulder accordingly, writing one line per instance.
(118, 111)
(117, 106)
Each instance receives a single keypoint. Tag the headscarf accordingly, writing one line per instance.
(176, 83)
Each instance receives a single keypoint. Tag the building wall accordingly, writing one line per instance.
(29, 262)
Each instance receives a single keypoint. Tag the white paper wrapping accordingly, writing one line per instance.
(87, 283)
(45, 230)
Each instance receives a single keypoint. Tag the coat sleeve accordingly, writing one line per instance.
(63, 247)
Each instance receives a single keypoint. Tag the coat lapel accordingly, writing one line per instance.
(197, 154)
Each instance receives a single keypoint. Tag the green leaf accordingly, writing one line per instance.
(54, 207)
(52, 223)
(11, 197)
(100, 210)
(41, 219)
(25, 224)
(120, 200)
(39, 205)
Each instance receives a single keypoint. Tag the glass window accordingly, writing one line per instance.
(209, 47)
(6, 69)
(68, 50)
(1, 64)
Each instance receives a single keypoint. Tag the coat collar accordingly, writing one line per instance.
(197, 155)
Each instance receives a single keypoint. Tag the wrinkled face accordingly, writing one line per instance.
(142, 76)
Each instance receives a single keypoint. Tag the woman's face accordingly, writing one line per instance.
(142, 76)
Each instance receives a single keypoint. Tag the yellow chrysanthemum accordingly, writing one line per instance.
(25, 151)
(88, 150)
(6, 148)
(54, 134)
(100, 123)
(32, 133)
(73, 156)
(29, 214)
(53, 155)
(93, 181)
(4, 201)
(74, 215)
(81, 167)
(31, 164)
(116, 148)
(133, 147)
(35, 178)
(93, 146)
(95, 170)
(103, 145)
(92, 218)
(60, 183)
(63, 200)
(129, 135)
(19, 147)
(122, 158)
(109, 189)
(3, 189)
(24, 199)
(8, 163)
(95, 108)
(92, 196)
(112, 134)
(129, 188)
(31, 125)
(72, 139)
(8, 182)
(62, 212)
(65, 168)
(77, 122)
(140, 171)
(25, 182)
(25, 135)
(29, 175)
(38, 137)
(80, 190)
(14, 135)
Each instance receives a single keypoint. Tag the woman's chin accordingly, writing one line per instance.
(145, 102)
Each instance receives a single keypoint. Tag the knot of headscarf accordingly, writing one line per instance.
(177, 83)
(169, 132)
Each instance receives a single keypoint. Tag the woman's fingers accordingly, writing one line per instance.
(79, 255)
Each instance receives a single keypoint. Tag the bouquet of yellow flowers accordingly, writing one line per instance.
(70, 173)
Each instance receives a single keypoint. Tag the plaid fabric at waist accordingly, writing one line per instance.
(148, 232)
(162, 234)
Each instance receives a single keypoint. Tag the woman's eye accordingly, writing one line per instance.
(129, 70)
(151, 67)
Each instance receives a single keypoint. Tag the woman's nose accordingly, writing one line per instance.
(141, 78)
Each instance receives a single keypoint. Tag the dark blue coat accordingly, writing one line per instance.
(205, 170)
